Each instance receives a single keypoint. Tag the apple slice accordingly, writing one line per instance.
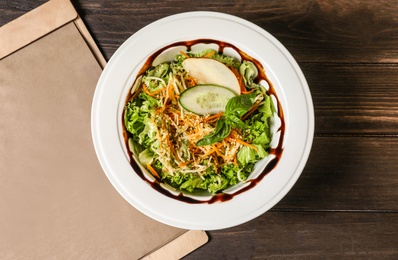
(210, 71)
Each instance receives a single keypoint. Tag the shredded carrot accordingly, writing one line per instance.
(235, 160)
(235, 71)
(157, 130)
(178, 130)
(190, 81)
(184, 163)
(171, 94)
(216, 148)
(164, 106)
(229, 138)
(209, 54)
(173, 110)
(157, 91)
(215, 116)
(254, 108)
(216, 163)
(162, 109)
(185, 54)
(173, 151)
(209, 152)
(240, 80)
(151, 93)
(145, 89)
(219, 145)
(152, 170)
(247, 92)
(246, 144)
(242, 87)
(232, 136)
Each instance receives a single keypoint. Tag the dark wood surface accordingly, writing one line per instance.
(345, 204)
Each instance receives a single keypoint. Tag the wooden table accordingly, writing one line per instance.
(345, 204)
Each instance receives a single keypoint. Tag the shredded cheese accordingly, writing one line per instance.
(177, 132)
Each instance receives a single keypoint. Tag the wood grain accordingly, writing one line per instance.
(306, 235)
(348, 173)
(354, 98)
(345, 204)
(314, 31)
(348, 98)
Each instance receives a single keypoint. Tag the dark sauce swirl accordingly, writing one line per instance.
(277, 151)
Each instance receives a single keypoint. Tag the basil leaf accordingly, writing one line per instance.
(235, 108)
(235, 122)
(240, 105)
(221, 131)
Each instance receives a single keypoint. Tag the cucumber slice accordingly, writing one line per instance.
(206, 99)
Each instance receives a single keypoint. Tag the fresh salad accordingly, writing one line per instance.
(200, 122)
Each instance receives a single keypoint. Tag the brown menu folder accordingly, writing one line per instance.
(55, 200)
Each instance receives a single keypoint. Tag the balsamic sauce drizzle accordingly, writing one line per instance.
(277, 151)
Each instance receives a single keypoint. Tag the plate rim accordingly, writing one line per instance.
(180, 223)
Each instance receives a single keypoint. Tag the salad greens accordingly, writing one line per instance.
(235, 108)
(197, 152)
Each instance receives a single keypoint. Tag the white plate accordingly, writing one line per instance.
(282, 70)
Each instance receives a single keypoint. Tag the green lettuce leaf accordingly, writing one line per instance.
(248, 155)
(137, 118)
(149, 134)
(133, 119)
(266, 108)
(146, 157)
(157, 77)
(192, 184)
(249, 72)
(229, 61)
(258, 131)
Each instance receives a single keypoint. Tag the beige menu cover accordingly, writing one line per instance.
(55, 200)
